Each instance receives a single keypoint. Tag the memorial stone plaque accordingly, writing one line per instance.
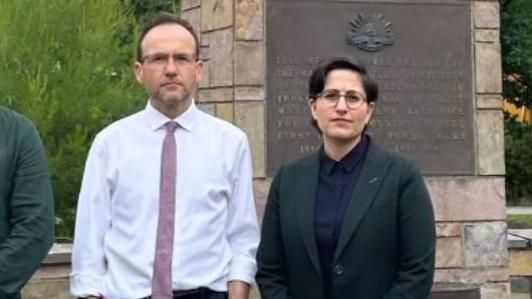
(420, 53)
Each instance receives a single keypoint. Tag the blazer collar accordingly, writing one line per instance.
(374, 168)
(307, 177)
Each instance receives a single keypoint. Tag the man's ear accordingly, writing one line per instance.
(139, 72)
(199, 70)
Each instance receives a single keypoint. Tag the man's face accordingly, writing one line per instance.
(342, 122)
(169, 70)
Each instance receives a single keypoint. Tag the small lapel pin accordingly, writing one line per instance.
(373, 180)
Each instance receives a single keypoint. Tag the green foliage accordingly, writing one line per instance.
(142, 9)
(520, 221)
(518, 155)
(63, 67)
(516, 43)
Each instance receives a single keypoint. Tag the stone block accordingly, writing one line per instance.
(486, 14)
(472, 275)
(261, 187)
(216, 94)
(49, 288)
(488, 68)
(495, 291)
(249, 63)
(249, 20)
(204, 53)
(449, 252)
(246, 93)
(520, 262)
(193, 16)
(489, 101)
(485, 244)
(221, 58)
(57, 271)
(448, 229)
(525, 233)
(517, 242)
(520, 285)
(225, 111)
(216, 14)
(521, 296)
(204, 82)
(207, 108)
(250, 117)
(189, 4)
(490, 140)
(467, 198)
(487, 36)
(58, 254)
(204, 40)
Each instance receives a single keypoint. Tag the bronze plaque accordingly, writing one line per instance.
(419, 53)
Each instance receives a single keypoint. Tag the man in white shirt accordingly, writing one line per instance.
(119, 225)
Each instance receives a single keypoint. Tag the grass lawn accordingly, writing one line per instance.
(520, 221)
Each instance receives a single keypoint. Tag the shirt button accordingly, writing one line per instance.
(338, 270)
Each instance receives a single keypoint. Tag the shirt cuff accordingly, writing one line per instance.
(83, 285)
(243, 271)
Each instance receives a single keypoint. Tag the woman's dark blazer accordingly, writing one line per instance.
(386, 244)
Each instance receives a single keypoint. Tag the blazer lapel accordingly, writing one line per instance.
(369, 181)
(307, 181)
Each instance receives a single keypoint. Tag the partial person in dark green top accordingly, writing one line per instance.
(26, 203)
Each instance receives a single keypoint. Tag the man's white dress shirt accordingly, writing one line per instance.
(216, 230)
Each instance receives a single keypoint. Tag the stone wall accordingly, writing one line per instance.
(233, 49)
(51, 279)
(470, 210)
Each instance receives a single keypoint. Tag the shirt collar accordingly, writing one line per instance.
(156, 119)
(349, 161)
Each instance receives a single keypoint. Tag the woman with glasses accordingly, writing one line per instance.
(351, 220)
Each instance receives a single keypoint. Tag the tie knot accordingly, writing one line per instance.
(170, 126)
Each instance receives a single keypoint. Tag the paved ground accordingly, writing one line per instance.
(518, 210)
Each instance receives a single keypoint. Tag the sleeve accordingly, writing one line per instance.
(92, 222)
(272, 273)
(242, 229)
(417, 238)
(31, 215)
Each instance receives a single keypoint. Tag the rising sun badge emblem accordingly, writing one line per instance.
(370, 33)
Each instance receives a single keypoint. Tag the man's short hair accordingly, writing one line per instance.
(317, 79)
(161, 18)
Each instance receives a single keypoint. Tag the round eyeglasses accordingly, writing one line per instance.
(353, 99)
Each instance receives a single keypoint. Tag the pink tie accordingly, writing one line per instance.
(162, 269)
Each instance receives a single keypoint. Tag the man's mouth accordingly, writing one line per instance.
(171, 84)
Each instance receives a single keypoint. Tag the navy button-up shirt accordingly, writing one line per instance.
(337, 180)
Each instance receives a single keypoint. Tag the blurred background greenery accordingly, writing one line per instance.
(67, 65)
(516, 44)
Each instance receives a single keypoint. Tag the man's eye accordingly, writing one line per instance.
(181, 58)
(159, 58)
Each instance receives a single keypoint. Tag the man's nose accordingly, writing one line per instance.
(170, 68)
